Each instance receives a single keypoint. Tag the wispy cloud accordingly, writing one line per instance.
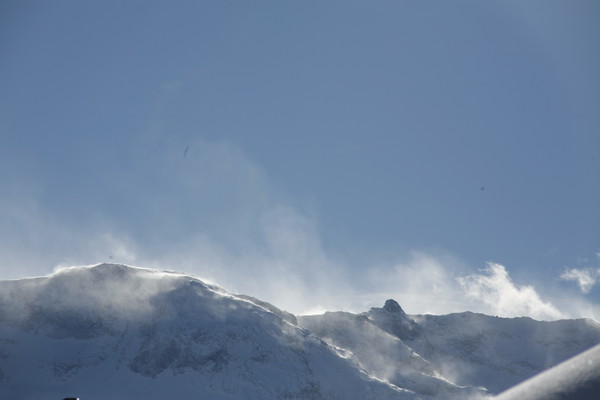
(441, 284)
(494, 288)
(284, 263)
(586, 278)
(421, 283)
(217, 216)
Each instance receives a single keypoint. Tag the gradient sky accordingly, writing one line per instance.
(316, 154)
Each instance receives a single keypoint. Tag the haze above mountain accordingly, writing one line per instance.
(120, 332)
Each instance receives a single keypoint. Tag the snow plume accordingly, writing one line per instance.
(273, 252)
(441, 284)
(218, 216)
(33, 243)
(115, 292)
(504, 297)
(421, 283)
(586, 278)
(283, 262)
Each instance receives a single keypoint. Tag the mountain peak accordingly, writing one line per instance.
(123, 332)
(392, 306)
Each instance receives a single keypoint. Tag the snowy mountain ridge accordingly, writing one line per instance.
(120, 332)
(470, 349)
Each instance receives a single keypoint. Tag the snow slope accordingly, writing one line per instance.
(498, 352)
(118, 332)
(467, 349)
(383, 355)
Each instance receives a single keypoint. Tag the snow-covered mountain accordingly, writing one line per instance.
(118, 332)
(465, 348)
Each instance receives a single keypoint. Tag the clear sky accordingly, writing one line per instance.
(316, 154)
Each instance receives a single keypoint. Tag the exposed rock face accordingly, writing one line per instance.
(391, 318)
(393, 307)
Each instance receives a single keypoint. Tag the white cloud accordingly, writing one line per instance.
(218, 217)
(32, 242)
(283, 263)
(440, 284)
(421, 283)
(214, 214)
(496, 289)
(586, 278)
(277, 255)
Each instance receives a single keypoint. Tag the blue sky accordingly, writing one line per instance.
(320, 155)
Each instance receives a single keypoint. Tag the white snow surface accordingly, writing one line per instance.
(466, 349)
(119, 332)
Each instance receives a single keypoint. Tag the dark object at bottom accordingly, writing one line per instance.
(71, 398)
(578, 378)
